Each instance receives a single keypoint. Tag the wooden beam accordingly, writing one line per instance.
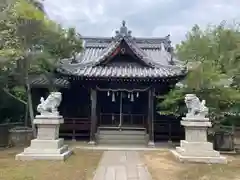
(150, 116)
(93, 115)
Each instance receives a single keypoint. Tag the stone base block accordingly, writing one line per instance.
(197, 149)
(200, 159)
(197, 153)
(52, 120)
(61, 150)
(151, 144)
(195, 146)
(47, 144)
(41, 156)
(45, 150)
(92, 143)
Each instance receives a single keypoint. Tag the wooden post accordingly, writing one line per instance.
(93, 116)
(74, 131)
(150, 117)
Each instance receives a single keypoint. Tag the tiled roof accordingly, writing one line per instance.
(125, 71)
(154, 52)
(40, 80)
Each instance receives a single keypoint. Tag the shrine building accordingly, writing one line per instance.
(110, 90)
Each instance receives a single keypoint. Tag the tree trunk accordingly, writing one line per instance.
(26, 115)
(50, 77)
(30, 105)
(26, 65)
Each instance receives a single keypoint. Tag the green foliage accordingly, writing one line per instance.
(214, 57)
(32, 43)
(10, 109)
(19, 91)
(172, 104)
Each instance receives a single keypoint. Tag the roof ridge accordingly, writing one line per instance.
(139, 40)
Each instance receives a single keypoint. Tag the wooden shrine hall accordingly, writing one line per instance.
(110, 90)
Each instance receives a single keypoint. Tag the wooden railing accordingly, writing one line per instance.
(113, 119)
(165, 130)
(75, 127)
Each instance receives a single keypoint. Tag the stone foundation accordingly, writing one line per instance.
(47, 145)
(45, 150)
(199, 159)
(201, 152)
(195, 147)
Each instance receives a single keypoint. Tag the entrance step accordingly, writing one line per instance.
(121, 142)
(121, 136)
(122, 132)
(124, 136)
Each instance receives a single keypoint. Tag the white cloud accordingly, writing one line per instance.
(144, 17)
(203, 13)
(176, 32)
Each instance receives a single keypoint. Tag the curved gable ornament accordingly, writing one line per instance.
(123, 31)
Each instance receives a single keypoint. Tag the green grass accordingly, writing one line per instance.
(163, 166)
(80, 166)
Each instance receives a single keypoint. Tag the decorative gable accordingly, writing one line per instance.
(123, 53)
(123, 44)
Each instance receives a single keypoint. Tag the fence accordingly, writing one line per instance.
(75, 128)
(237, 138)
(4, 132)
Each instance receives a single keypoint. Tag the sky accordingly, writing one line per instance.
(145, 18)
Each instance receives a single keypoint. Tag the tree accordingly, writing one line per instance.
(215, 54)
(64, 44)
(34, 43)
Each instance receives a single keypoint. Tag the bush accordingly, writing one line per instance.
(10, 109)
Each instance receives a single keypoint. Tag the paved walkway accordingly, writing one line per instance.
(121, 165)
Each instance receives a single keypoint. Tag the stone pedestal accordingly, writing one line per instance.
(92, 143)
(47, 145)
(195, 147)
(151, 144)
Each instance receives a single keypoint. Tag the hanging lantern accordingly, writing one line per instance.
(113, 97)
(128, 95)
(137, 94)
(108, 93)
(132, 97)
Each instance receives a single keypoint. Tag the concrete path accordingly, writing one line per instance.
(121, 165)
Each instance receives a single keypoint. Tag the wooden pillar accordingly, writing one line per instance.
(93, 116)
(151, 116)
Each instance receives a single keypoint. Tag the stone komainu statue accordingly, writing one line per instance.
(50, 105)
(196, 108)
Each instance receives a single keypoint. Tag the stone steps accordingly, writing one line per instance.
(121, 142)
(128, 137)
(121, 136)
(122, 132)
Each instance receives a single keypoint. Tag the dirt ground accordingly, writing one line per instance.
(80, 166)
(163, 166)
